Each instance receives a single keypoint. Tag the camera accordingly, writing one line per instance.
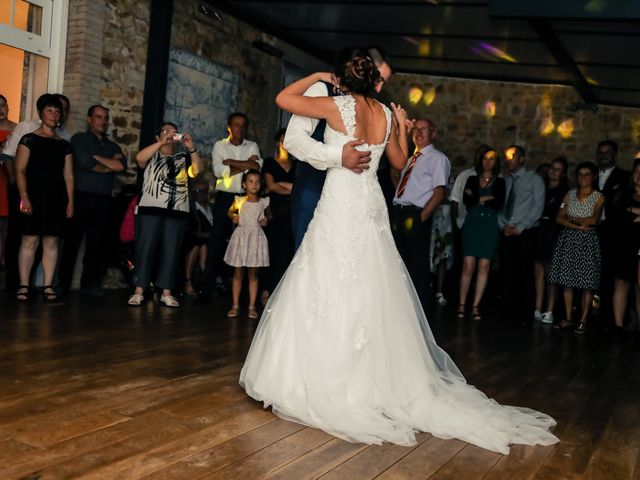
(177, 137)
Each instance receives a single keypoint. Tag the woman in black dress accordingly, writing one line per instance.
(626, 255)
(557, 187)
(279, 173)
(44, 175)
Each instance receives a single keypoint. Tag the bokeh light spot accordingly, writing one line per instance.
(429, 96)
(490, 108)
(565, 129)
(415, 95)
(547, 127)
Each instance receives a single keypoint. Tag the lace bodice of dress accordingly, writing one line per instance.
(347, 106)
(351, 204)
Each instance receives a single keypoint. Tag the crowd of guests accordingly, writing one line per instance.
(546, 239)
(549, 237)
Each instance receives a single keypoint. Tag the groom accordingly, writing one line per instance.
(304, 138)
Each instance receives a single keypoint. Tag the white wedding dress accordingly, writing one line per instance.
(344, 345)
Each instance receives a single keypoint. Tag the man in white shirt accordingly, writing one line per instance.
(303, 139)
(231, 157)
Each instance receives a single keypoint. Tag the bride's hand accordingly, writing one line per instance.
(327, 77)
(399, 113)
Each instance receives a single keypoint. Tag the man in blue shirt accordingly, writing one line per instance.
(518, 221)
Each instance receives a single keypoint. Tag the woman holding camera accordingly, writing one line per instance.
(163, 210)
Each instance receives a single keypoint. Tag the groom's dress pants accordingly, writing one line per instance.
(303, 204)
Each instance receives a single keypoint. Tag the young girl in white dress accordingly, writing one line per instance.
(343, 343)
(248, 247)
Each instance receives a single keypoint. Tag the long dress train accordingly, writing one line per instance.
(344, 345)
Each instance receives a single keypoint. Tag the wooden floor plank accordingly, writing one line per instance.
(318, 461)
(469, 464)
(424, 461)
(174, 446)
(274, 456)
(226, 453)
(372, 461)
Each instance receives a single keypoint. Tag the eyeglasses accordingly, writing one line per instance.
(422, 129)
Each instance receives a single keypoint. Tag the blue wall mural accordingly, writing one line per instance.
(200, 97)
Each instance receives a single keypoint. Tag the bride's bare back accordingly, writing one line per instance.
(371, 120)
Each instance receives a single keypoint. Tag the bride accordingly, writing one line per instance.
(343, 344)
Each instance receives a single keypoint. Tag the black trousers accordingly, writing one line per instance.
(281, 243)
(413, 239)
(91, 218)
(608, 242)
(516, 264)
(222, 228)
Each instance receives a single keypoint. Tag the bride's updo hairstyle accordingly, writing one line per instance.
(357, 72)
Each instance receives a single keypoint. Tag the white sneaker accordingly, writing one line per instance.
(537, 316)
(169, 301)
(547, 318)
(441, 300)
(135, 300)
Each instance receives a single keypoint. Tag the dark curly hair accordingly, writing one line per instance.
(356, 71)
(251, 171)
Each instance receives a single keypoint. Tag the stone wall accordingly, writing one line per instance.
(124, 60)
(83, 77)
(538, 117)
(106, 58)
(229, 43)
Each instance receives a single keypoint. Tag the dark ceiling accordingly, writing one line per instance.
(592, 45)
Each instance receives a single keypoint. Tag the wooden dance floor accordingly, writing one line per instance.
(93, 389)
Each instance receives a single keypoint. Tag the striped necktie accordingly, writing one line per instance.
(402, 186)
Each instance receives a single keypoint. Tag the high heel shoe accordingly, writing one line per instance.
(475, 313)
(460, 312)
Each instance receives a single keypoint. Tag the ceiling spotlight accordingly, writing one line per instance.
(209, 11)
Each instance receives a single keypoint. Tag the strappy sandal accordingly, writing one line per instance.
(253, 313)
(460, 312)
(564, 325)
(233, 313)
(51, 296)
(581, 328)
(22, 296)
(475, 313)
(188, 288)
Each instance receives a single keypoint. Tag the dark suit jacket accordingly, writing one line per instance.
(614, 189)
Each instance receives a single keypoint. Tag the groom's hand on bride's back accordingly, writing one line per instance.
(355, 160)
